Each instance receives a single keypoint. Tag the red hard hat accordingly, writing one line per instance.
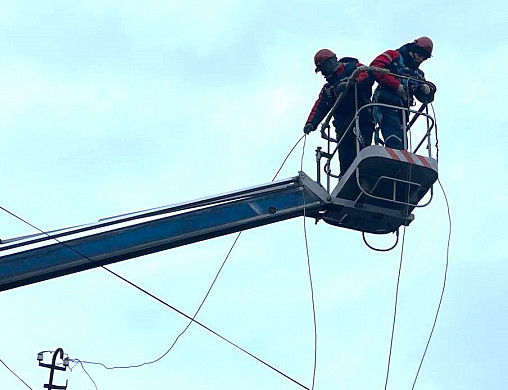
(321, 56)
(425, 43)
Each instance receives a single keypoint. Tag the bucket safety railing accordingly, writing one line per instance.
(409, 116)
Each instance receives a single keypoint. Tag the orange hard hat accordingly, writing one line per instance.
(321, 56)
(425, 44)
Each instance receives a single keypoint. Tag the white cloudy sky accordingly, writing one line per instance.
(110, 107)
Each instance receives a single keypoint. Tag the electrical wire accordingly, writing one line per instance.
(192, 319)
(16, 375)
(401, 258)
(184, 330)
(444, 278)
(291, 151)
(395, 307)
(444, 283)
(310, 276)
(86, 372)
(447, 256)
(209, 289)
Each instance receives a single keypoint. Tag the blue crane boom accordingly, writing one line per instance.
(35, 258)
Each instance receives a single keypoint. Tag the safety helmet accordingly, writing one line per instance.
(321, 56)
(424, 46)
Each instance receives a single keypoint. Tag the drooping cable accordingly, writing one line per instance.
(310, 276)
(218, 273)
(209, 289)
(86, 372)
(401, 258)
(289, 154)
(444, 283)
(214, 280)
(16, 375)
(381, 249)
(395, 307)
(186, 327)
(447, 253)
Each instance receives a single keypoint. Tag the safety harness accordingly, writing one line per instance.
(338, 81)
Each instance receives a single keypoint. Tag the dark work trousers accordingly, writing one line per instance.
(390, 119)
(347, 147)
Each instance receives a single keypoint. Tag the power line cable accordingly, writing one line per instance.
(444, 284)
(16, 375)
(447, 256)
(401, 254)
(86, 372)
(310, 276)
(291, 151)
(445, 272)
(395, 307)
(184, 330)
(208, 292)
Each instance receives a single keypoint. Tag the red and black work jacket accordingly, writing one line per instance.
(335, 85)
(399, 62)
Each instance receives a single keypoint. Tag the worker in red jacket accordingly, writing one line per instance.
(337, 72)
(401, 92)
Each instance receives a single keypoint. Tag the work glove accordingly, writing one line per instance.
(308, 128)
(425, 89)
(433, 88)
(401, 92)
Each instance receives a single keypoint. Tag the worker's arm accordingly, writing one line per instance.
(318, 112)
(383, 61)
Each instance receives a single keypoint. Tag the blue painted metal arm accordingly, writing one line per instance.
(35, 258)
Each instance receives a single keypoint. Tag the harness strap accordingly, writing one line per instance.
(335, 88)
(349, 68)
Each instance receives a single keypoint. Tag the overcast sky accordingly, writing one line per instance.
(111, 107)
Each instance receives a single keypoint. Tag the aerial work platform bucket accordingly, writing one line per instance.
(380, 190)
